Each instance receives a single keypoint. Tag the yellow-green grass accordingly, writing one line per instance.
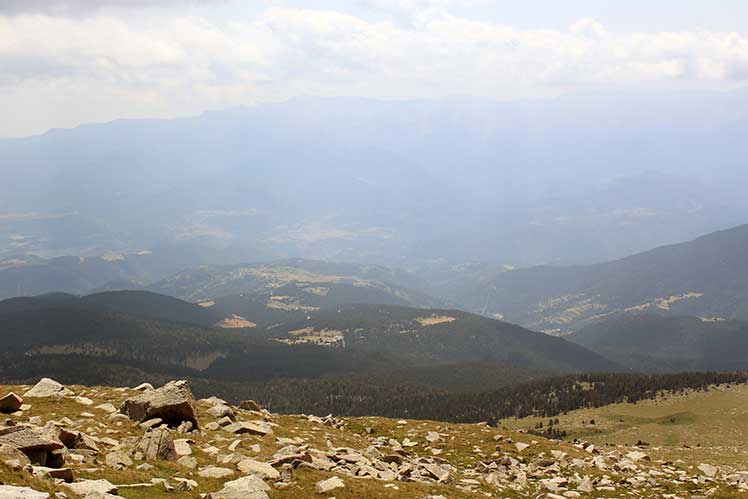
(709, 426)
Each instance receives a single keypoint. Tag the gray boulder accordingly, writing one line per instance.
(157, 445)
(248, 487)
(41, 447)
(10, 492)
(173, 403)
(47, 388)
(86, 487)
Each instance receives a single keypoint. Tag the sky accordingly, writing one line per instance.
(68, 62)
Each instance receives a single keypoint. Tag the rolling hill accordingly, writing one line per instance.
(655, 343)
(298, 285)
(706, 277)
(418, 336)
(29, 275)
(83, 336)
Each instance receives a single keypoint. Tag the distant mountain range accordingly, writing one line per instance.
(287, 285)
(572, 180)
(706, 277)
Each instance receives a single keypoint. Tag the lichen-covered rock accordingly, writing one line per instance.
(173, 403)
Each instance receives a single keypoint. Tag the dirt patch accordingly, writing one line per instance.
(235, 322)
(434, 320)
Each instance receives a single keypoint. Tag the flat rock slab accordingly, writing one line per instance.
(258, 468)
(248, 487)
(329, 485)
(9, 492)
(216, 472)
(260, 428)
(29, 439)
(86, 487)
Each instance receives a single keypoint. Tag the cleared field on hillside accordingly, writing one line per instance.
(697, 426)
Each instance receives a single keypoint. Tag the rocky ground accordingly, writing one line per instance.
(101, 442)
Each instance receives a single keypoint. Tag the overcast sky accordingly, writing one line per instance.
(67, 62)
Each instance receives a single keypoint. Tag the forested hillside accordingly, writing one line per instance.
(707, 277)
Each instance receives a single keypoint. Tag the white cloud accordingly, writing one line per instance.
(60, 71)
(67, 6)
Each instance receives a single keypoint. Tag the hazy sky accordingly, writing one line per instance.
(66, 62)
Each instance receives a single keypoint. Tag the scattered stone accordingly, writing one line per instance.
(10, 492)
(157, 444)
(637, 456)
(64, 474)
(85, 487)
(326, 486)
(187, 462)
(260, 469)
(173, 403)
(40, 446)
(250, 405)
(182, 447)
(118, 460)
(248, 487)
(47, 388)
(521, 446)
(260, 428)
(433, 437)
(10, 403)
(708, 470)
(215, 472)
(222, 411)
(107, 408)
(77, 440)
